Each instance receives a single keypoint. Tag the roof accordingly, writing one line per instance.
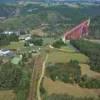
(16, 60)
(6, 52)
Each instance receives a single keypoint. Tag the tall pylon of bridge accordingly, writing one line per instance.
(78, 31)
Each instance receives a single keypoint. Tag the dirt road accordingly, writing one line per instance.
(41, 77)
(35, 77)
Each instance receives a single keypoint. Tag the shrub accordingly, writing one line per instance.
(58, 43)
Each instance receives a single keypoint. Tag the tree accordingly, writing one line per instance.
(58, 43)
(10, 76)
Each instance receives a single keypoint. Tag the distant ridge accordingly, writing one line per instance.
(14, 1)
(7, 1)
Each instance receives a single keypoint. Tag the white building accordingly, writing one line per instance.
(28, 38)
(8, 32)
(6, 52)
(11, 32)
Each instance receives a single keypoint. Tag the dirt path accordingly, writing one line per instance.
(35, 76)
(41, 77)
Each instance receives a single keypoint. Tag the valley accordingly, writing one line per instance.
(39, 62)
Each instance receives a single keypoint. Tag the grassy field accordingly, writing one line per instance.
(7, 95)
(85, 70)
(65, 54)
(14, 45)
(56, 56)
(58, 87)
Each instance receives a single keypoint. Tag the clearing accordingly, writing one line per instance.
(38, 32)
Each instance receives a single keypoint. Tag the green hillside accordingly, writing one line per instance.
(55, 19)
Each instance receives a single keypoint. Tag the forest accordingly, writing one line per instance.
(92, 50)
(6, 39)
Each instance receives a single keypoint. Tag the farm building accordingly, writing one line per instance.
(6, 52)
(11, 32)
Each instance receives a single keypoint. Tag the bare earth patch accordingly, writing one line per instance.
(59, 87)
(38, 32)
(7, 95)
(85, 70)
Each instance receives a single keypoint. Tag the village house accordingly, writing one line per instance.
(11, 32)
(7, 53)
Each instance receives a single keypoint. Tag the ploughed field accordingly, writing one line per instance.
(65, 73)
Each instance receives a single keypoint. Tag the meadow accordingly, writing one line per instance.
(65, 54)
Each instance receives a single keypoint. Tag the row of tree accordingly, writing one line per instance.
(58, 43)
(6, 39)
(87, 82)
